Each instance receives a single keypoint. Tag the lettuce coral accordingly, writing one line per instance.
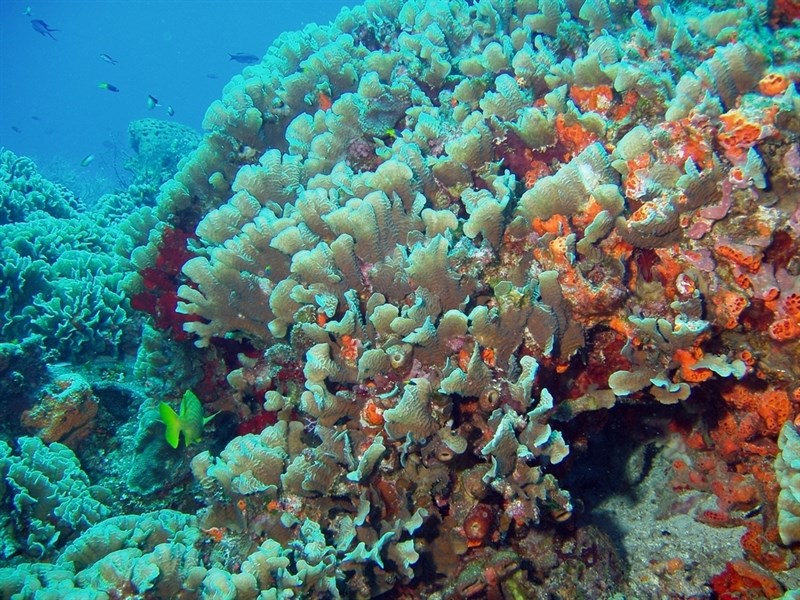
(418, 282)
(48, 496)
(24, 191)
(60, 280)
(148, 553)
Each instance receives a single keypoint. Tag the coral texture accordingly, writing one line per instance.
(65, 412)
(423, 251)
(487, 194)
(25, 191)
(158, 147)
(787, 466)
(60, 282)
(49, 498)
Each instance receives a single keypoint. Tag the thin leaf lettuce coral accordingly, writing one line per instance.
(394, 287)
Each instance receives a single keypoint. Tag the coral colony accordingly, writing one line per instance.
(432, 264)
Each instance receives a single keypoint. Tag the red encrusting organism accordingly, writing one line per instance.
(161, 282)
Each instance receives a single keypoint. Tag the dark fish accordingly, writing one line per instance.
(42, 27)
(244, 58)
(109, 87)
(152, 101)
(35, 118)
(108, 59)
(16, 129)
(212, 76)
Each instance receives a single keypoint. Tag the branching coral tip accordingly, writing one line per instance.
(190, 420)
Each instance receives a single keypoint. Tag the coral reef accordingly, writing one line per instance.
(158, 147)
(47, 498)
(24, 192)
(416, 270)
(60, 282)
(64, 264)
(137, 554)
(65, 412)
(423, 254)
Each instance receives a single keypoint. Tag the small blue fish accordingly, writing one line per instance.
(170, 111)
(28, 11)
(42, 27)
(244, 58)
(109, 87)
(16, 129)
(212, 76)
(87, 161)
(108, 59)
(152, 101)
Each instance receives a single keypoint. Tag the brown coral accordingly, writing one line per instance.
(65, 412)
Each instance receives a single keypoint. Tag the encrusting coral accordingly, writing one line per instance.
(431, 236)
(65, 412)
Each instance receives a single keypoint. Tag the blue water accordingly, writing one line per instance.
(51, 108)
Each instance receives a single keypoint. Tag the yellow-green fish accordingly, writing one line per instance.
(190, 420)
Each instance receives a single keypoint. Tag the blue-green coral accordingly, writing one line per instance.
(150, 553)
(62, 265)
(24, 191)
(59, 280)
(47, 498)
(158, 147)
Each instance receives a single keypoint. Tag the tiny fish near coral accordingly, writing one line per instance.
(190, 420)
